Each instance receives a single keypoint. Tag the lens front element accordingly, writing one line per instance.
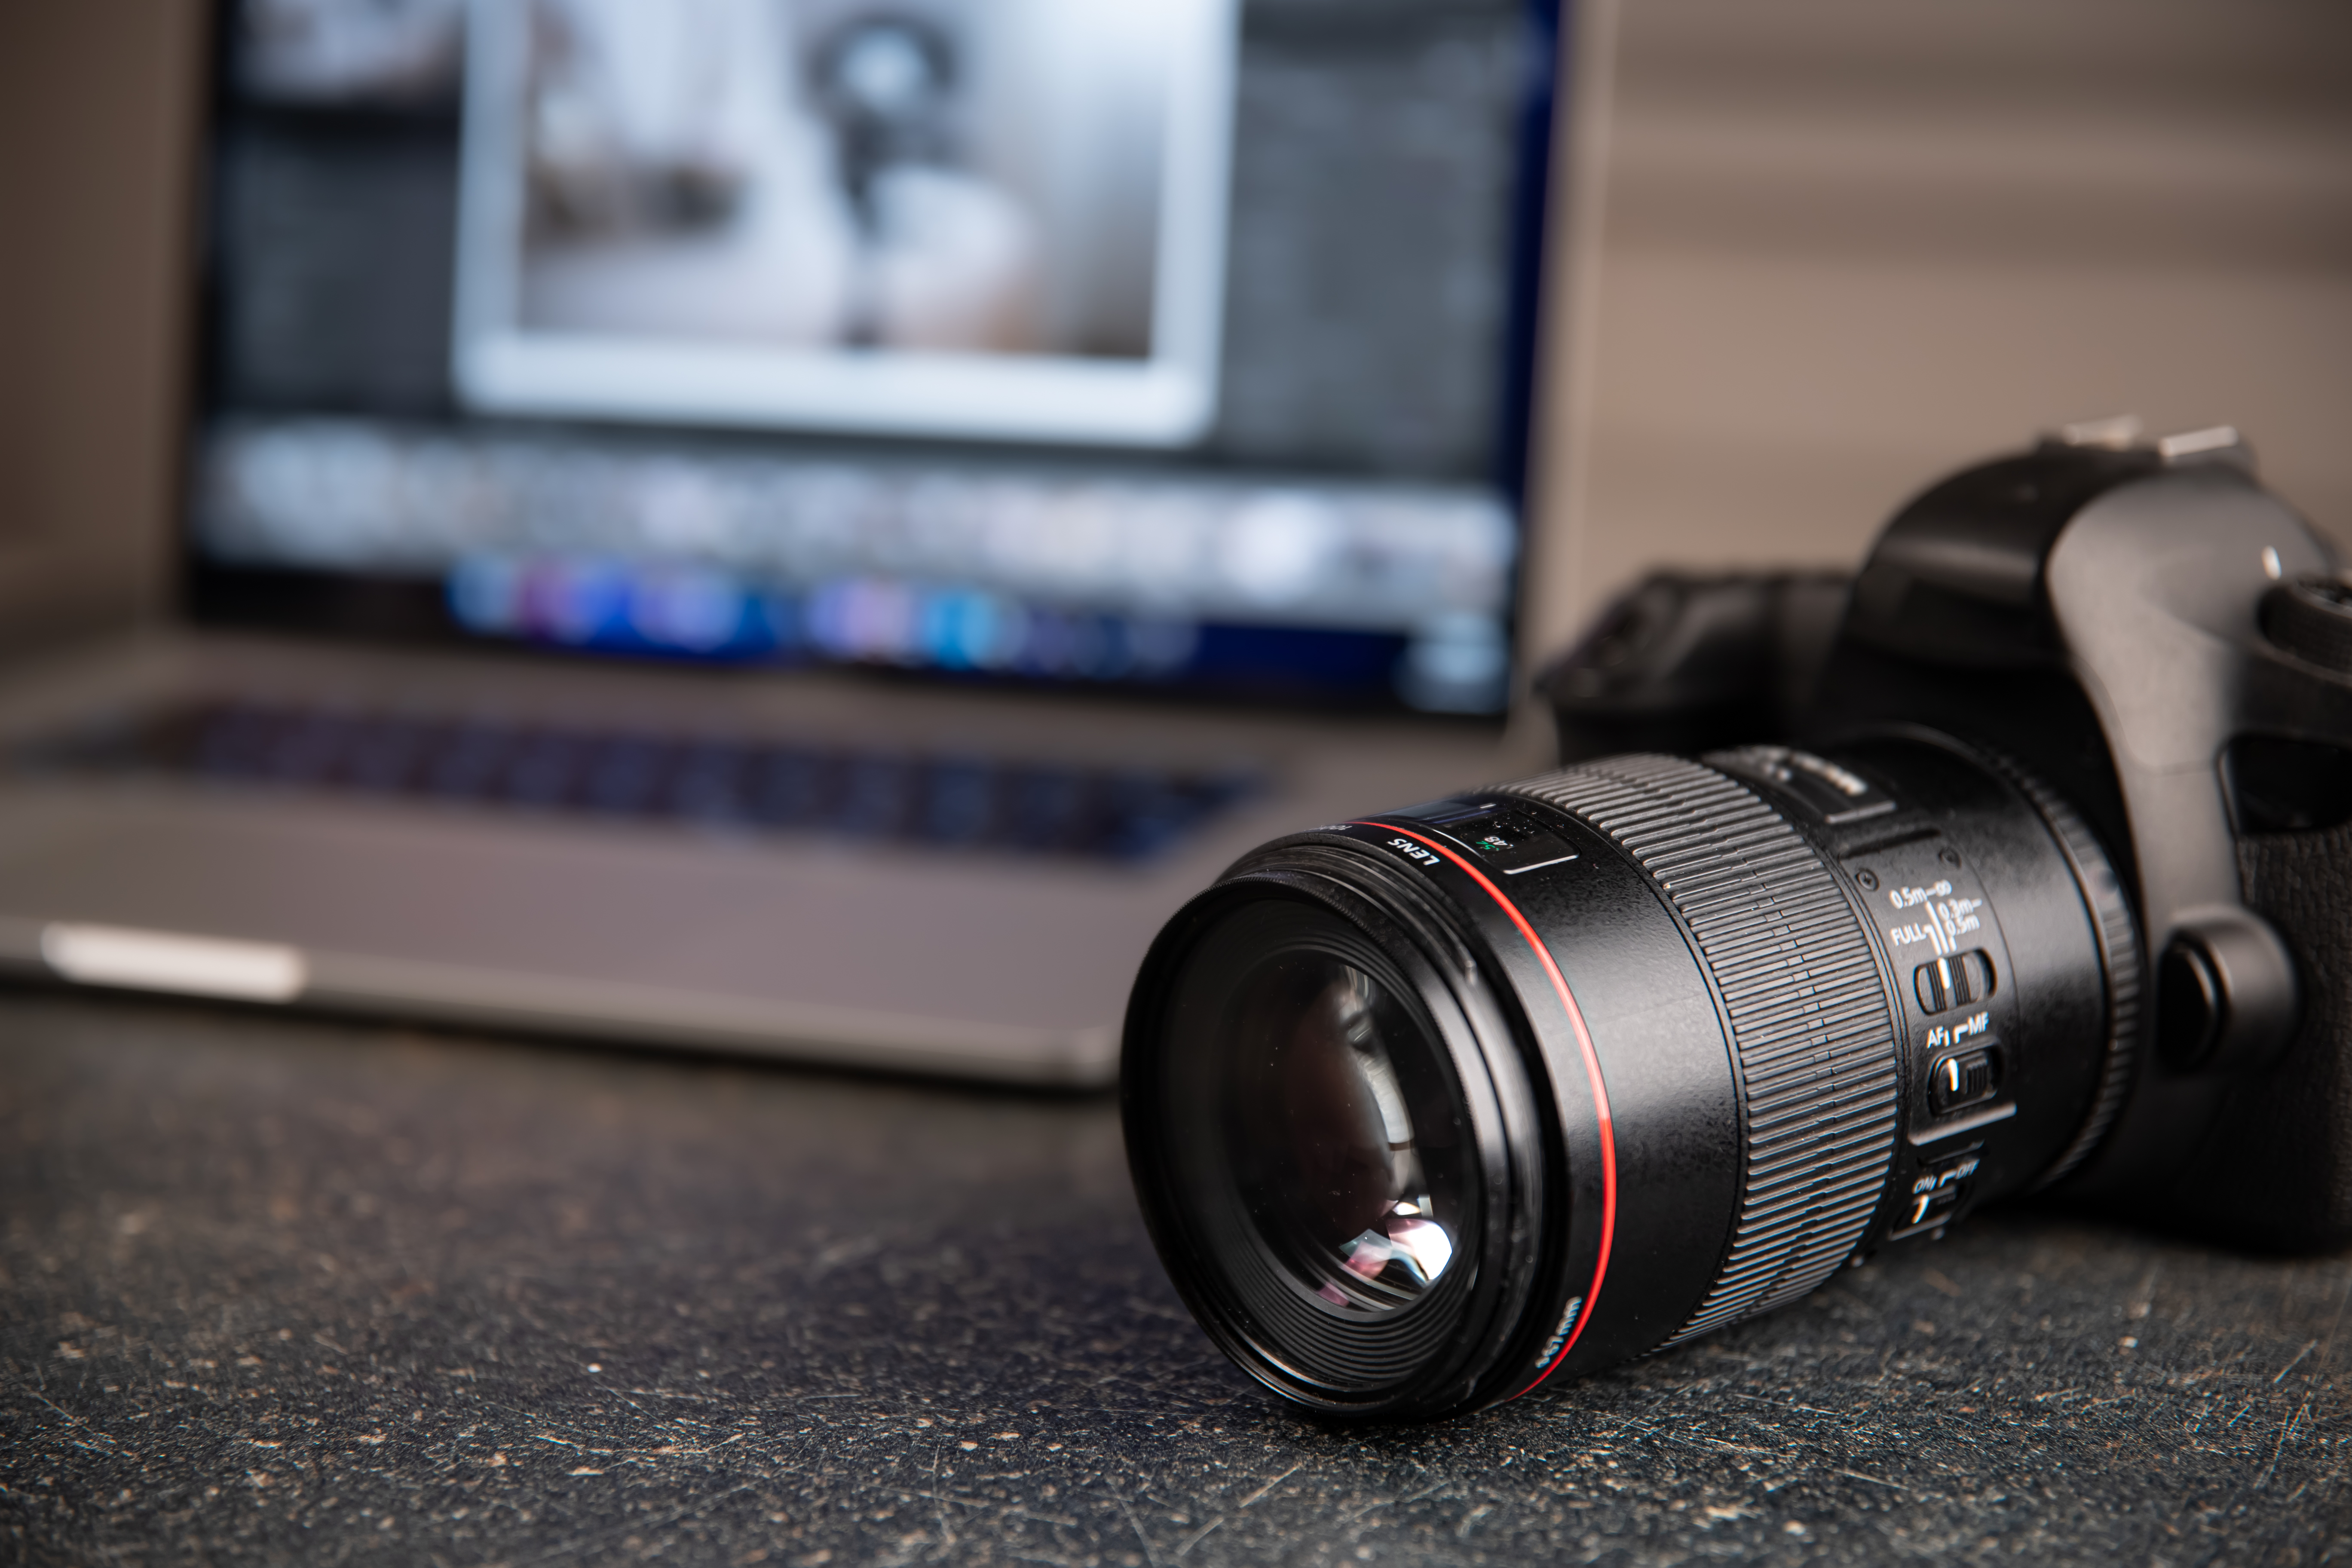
(1308, 1130)
(1324, 1133)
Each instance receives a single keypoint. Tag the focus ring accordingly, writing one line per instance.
(1801, 985)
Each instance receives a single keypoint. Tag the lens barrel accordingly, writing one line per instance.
(1433, 1107)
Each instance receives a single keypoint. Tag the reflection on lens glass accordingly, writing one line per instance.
(1332, 1139)
(1317, 1128)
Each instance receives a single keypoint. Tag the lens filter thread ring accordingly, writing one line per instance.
(1579, 1311)
(1798, 985)
(1419, 1358)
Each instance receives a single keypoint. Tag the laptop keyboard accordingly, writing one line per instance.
(1122, 814)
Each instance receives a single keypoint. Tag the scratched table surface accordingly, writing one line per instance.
(276, 1290)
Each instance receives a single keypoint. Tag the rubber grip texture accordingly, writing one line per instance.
(1797, 977)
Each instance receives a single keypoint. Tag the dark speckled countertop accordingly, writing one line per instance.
(275, 1290)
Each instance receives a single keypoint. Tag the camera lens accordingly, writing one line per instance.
(1432, 1108)
(1316, 1138)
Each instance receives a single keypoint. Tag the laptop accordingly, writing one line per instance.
(801, 527)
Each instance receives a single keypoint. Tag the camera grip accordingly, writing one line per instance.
(2275, 1171)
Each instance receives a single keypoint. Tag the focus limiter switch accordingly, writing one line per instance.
(1955, 979)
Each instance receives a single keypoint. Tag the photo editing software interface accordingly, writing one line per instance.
(1185, 343)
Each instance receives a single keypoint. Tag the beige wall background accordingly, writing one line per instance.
(97, 104)
(1846, 245)
(1838, 246)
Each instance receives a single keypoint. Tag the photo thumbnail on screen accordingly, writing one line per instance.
(977, 218)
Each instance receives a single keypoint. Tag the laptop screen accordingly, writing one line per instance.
(1184, 344)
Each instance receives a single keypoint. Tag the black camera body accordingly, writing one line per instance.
(2020, 862)
(2147, 632)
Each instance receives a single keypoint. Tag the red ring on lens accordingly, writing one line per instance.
(1591, 1072)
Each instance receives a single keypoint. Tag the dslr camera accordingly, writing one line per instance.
(2018, 864)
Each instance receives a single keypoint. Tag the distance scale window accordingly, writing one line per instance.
(1505, 841)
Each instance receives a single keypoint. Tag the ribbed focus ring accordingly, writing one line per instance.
(1810, 1031)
